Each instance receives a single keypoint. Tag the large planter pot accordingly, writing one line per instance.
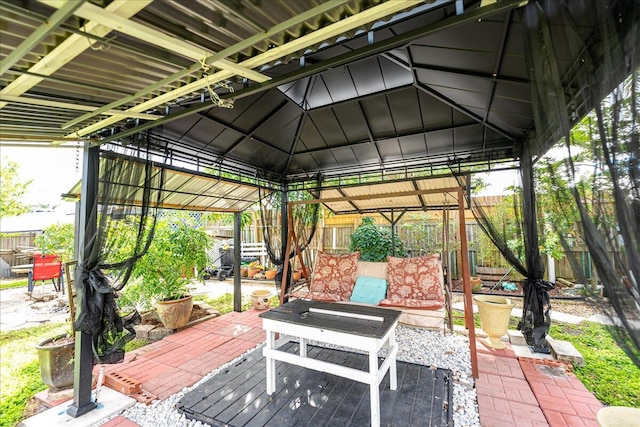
(618, 416)
(56, 361)
(495, 312)
(174, 314)
(261, 299)
(252, 272)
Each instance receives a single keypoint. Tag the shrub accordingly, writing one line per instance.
(373, 242)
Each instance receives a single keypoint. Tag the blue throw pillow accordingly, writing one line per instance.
(370, 290)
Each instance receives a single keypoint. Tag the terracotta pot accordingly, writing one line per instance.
(297, 275)
(270, 274)
(244, 271)
(56, 362)
(175, 314)
(252, 272)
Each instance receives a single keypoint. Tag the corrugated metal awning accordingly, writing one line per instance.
(189, 190)
(411, 194)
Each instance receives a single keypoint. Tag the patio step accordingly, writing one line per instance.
(516, 337)
(565, 351)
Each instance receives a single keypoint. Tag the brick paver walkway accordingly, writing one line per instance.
(182, 359)
(511, 392)
(530, 392)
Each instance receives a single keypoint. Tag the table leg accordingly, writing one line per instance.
(303, 347)
(271, 363)
(393, 375)
(374, 389)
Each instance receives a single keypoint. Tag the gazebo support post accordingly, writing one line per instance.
(466, 281)
(285, 222)
(237, 254)
(83, 369)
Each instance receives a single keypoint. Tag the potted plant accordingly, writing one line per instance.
(254, 268)
(270, 273)
(55, 354)
(177, 252)
(374, 243)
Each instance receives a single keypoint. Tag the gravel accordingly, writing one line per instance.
(435, 349)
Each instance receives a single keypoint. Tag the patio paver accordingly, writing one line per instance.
(511, 392)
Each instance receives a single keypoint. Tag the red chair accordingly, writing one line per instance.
(46, 267)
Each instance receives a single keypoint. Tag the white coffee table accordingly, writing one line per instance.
(365, 328)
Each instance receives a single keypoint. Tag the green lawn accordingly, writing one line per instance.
(608, 372)
(13, 283)
(19, 369)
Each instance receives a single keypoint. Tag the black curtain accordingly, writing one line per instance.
(124, 214)
(536, 318)
(608, 202)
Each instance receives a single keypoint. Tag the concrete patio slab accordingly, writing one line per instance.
(110, 403)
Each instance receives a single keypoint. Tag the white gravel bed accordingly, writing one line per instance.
(435, 349)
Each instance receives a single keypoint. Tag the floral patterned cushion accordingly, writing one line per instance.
(416, 281)
(412, 303)
(334, 274)
(315, 296)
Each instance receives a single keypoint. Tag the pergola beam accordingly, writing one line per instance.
(124, 25)
(66, 51)
(59, 16)
(79, 107)
(248, 42)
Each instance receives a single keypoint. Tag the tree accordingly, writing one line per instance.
(11, 189)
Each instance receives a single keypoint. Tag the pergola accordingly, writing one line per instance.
(273, 94)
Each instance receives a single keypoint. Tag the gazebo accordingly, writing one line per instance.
(211, 102)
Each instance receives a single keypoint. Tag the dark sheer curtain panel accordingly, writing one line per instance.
(129, 191)
(599, 176)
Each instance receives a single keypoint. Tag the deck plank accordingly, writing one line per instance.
(313, 395)
(237, 396)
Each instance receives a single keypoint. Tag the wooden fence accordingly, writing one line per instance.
(15, 249)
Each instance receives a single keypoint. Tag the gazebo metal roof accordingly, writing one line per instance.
(331, 88)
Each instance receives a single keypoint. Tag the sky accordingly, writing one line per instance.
(53, 171)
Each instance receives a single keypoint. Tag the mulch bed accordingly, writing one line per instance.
(491, 288)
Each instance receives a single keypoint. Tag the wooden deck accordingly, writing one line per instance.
(237, 396)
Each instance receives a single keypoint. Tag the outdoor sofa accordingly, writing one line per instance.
(413, 285)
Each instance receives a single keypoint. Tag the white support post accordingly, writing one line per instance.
(303, 347)
(271, 363)
(374, 389)
(551, 268)
(391, 354)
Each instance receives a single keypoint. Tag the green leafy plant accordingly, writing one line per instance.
(176, 253)
(373, 242)
(57, 239)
